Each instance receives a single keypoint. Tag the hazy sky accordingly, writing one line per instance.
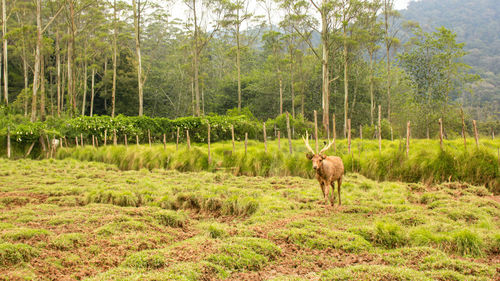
(179, 9)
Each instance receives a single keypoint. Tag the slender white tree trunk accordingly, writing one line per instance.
(36, 69)
(6, 61)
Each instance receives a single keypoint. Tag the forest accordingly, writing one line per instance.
(194, 58)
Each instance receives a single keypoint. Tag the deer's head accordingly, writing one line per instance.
(318, 157)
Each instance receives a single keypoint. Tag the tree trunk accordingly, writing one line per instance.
(26, 85)
(36, 73)
(84, 99)
(238, 63)
(58, 66)
(372, 99)
(137, 18)
(387, 49)
(292, 90)
(346, 82)
(325, 72)
(196, 53)
(115, 50)
(42, 88)
(92, 93)
(6, 61)
(71, 43)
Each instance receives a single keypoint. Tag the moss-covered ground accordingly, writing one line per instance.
(73, 220)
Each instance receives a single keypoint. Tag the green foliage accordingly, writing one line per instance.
(373, 272)
(68, 241)
(245, 253)
(11, 254)
(468, 243)
(149, 259)
(171, 218)
(389, 235)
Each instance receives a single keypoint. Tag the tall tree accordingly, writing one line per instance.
(390, 38)
(137, 28)
(5, 52)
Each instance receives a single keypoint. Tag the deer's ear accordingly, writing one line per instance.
(323, 156)
(309, 156)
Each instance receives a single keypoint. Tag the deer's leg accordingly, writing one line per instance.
(326, 191)
(332, 198)
(339, 183)
(322, 186)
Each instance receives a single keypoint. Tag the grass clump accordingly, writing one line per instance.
(467, 243)
(216, 230)
(149, 259)
(25, 234)
(373, 272)
(114, 197)
(171, 218)
(11, 254)
(248, 253)
(68, 241)
(389, 235)
(322, 238)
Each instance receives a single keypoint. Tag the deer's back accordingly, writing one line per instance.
(333, 168)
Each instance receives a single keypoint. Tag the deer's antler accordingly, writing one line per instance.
(326, 147)
(306, 141)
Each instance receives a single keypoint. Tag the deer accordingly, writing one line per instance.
(328, 170)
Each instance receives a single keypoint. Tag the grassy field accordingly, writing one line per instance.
(67, 220)
(426, 162)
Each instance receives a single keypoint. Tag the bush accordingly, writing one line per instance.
(171, 218)
(11, 254)
(468, 243)
(389, 235)
(149, 259)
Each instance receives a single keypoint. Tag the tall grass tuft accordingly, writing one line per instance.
(425, 163)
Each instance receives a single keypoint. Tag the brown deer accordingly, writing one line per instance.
(328, 170)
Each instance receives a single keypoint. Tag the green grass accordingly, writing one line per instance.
(79, 220)
(426, 162)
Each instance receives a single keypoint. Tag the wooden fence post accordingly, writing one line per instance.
(475, 133)
(105, 137)
(379, 128)
(265, 137)
(316, 130)
(289, 132)
(232, 136)
(93, 141)
(208, 140)
(164, 141)
(349, 136)
(126, 140)
(76, 141)
(137, 140)
(408, 138)
(246, 142)
(177, 142)
(8, 141)
(334, 133)
(149, 137)
(188, 140)
(81, 138)
(61, 142)
(441, 133)
(492, 134)
(463, 128)
(115, 141)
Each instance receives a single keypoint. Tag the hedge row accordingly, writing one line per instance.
(23, 131)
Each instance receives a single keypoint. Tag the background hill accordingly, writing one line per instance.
(476, 23)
